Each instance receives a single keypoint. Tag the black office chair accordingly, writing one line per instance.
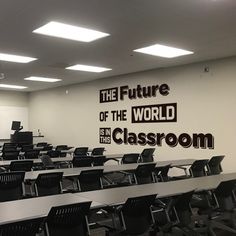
(90, 180)
(25, 148)
(47, 162)
(147, 155)
(21, 165)
(48, 184)
(214, 165)
(198, 168)
(82, 161)
(47, 148)
(68, 220)
(54, 153)
(98, 151)
(10, 155)
(144, 174)
(22, 228)
(9, 147)
(136, 216)
(99, 160)
(81, 151)
(62, 148)
(161, 173)
(11, 186)
(31, 154)
(130, 158)
(42, 144)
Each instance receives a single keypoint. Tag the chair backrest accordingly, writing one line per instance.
(198, 168)
(147, 154)
(80, 151)
(130, 158)
(136, 215)
(162, 173)
(28, 147)
(68, 220)
(31, 154)
(9, 149)
(144, 173)
(11, 185)
(21, 165)
(54, 153)
(48, 184)
(61, 147)
(224, 195)
(99, 160)
(82, 161)
(98, 151)
(10, 155)
(89, 180)
(9, 145)
(214, 165)
(180, 206)
(42, 144)
(47, 162)
(47, 148)
(22, 228)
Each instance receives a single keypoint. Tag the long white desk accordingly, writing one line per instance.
(109, 168)
(115, 196)
(13, 211)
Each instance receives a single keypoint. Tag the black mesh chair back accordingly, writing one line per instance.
(81, 151)
(68, 220)
(99, 160)
(130, 158)
(32, 154)
(48, 184)
(11, 185)
(82, 161)
(9, 149)
(90, 180)
(136, 215)
(144, 173)
(21, 165)
(224, 195)
(147, 155)
(25, 148)
(10, 155)
(42, 144)
(47, 162)
(22, 228)
(214, 165)
(47, 148)
(61, 147)
(198, 168)
(54, 153)
(181, 207)
(161, 173)
(9, 145)
(98, 151)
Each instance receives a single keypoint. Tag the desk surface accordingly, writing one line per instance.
(116, 196)
(13, 211)
(109, 168)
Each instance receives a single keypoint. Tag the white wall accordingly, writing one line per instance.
(206, 104)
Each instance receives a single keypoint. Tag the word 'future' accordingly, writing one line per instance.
(114, 94)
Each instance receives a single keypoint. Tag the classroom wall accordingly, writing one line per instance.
(12, 98)
(205, 97)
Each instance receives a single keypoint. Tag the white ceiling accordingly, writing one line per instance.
(206, 27)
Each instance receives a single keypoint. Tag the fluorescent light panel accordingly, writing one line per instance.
(57, 29)
(16, 58)
(10, 86)
(42, 79)
(163, 51)
(95, 69)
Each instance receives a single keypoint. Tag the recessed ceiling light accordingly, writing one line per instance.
(10, 86)
(88, 68)
(15, 58)
(42, 79)
(72, 32)
(163, 51)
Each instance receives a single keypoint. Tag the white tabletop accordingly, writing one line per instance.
(109, 168)
(36, 207)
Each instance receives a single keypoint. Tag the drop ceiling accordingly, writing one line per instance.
(206, 27)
